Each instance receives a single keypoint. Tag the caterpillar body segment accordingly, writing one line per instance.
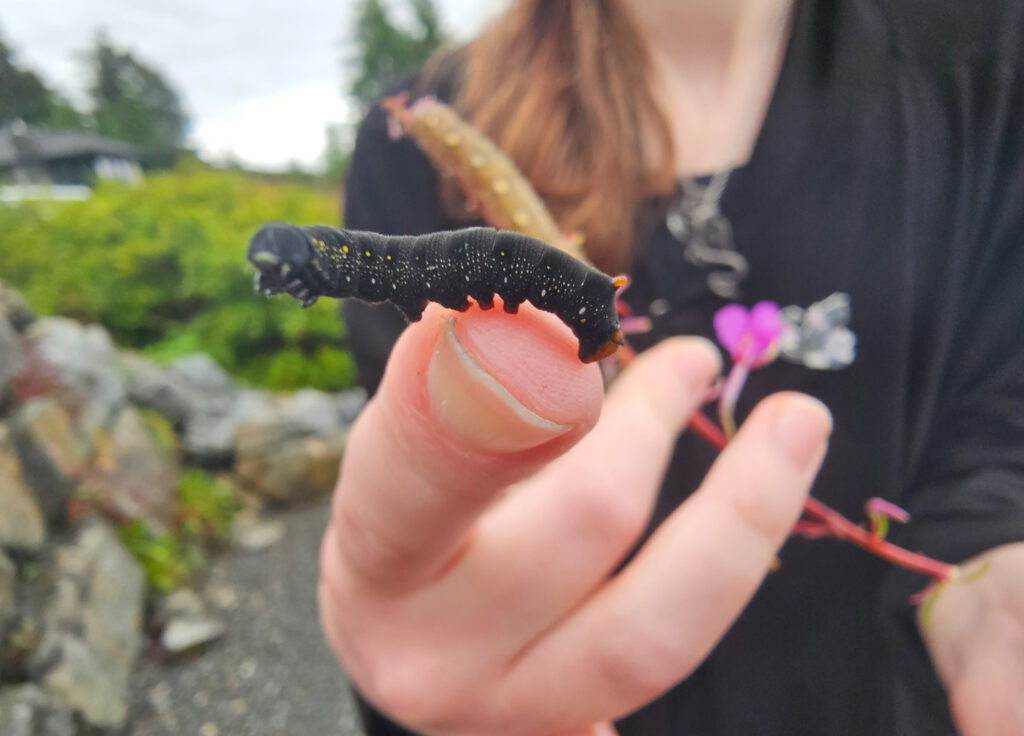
(449, 268)
(488, 178)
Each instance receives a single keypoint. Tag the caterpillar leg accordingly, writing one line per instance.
(458, 304)
(511, 307)
(412, 312)
(300, 291)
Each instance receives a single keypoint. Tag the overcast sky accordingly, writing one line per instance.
(260, 79)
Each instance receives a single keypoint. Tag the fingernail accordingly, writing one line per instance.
(801, 428)
(469, 402)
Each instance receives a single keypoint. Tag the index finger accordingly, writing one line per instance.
(469, 404)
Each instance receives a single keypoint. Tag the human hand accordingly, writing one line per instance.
(467, 575)
(975, 635)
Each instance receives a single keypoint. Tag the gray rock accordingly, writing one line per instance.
(138, 478)
(114, 593)
(26, 710)
(182, 602)
(85, 681)
(93, 628)
(252, 534)
(271, 461)
(53, 450)
(11, 360)
(350, 403)
(294, 452)
(210, 438)
(162, 389)
(8, 599)
(312, 412)
(188, 633)
(205, 374)
(22, 524)
(85, 358)
(14, 308)
(187, 623)
(315, 412)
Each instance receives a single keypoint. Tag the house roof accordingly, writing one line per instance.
(33, 145)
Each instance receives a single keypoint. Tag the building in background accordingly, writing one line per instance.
(42, 164)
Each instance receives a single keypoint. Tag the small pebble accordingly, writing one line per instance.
(247, 668)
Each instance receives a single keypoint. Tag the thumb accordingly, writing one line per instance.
(469, 404)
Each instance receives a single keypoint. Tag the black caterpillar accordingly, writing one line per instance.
(447, 267)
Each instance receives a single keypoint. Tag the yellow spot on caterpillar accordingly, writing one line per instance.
(503, 253)
(583, 321)
(522, 218)
(452, 139)
(501, 185)
(345, 248)
(367, 254)
(476, 160)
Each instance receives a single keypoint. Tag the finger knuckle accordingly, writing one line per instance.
(370, 552)
(609, 511)
(760, 509)
(637, 664)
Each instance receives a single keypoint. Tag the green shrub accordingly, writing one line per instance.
(172, 558)
(162, 266)
(207, 505)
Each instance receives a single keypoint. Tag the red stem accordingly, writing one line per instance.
(703, 426)
(843, 528)
(831, 523)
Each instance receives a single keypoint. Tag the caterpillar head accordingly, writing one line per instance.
(280, 253)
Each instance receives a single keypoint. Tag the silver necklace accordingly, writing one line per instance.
(695, 220)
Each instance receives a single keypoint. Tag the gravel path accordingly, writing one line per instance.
(271, 673)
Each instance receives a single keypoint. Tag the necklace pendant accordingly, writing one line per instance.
(706, 235)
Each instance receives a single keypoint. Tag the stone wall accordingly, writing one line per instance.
(92, 438)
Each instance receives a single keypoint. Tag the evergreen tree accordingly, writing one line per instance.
(22, 93)
(131, 101)
(385, 50)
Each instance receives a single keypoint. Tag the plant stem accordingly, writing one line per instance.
(830, 523)
(842, 528)
(730, 394)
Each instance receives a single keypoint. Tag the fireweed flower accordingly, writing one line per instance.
(751, 337)
(818, 338)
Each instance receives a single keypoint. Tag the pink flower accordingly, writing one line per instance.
(750, 336)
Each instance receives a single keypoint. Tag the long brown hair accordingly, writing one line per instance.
(562, 86)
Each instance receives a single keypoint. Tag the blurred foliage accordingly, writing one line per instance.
(172, 558)
(385, 50)
(337, 154)
(131, 101)
(163, 267)
(160, 431)
(169, 560)
(206, 505)
(23, 95)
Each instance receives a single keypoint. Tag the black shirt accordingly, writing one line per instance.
(891, 167)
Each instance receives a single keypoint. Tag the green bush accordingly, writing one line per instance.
(173, 557)
(162, 266)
